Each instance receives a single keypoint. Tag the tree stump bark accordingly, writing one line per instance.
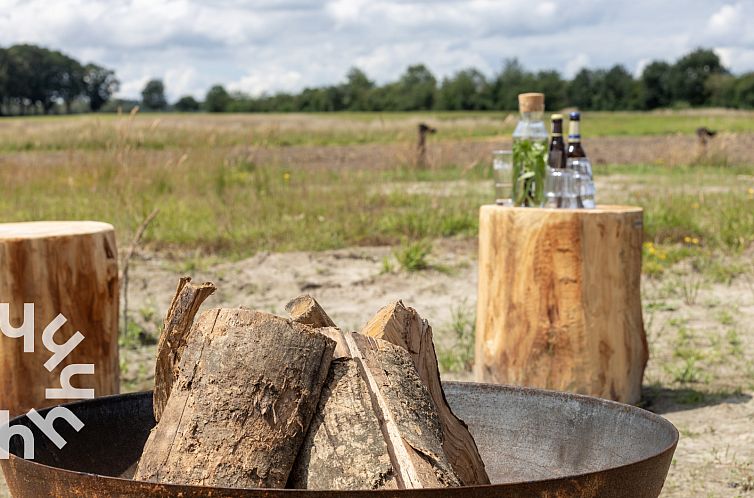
(247, 387)
(404, 327)
(559, 303)
(67, 268)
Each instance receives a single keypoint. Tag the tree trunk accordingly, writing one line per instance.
(373, 390)
(559, 303)
(188, 297)
(67, 268)
(405, 328)
(247, 388)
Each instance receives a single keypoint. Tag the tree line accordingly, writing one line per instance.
(34, 79)
(37, 80)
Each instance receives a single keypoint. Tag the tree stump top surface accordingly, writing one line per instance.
(48, 229)
(600, 209)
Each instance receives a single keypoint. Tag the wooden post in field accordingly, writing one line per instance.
(559, 303)
(67, 268)
(421, 144)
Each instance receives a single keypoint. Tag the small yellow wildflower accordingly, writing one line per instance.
(286, 177)
(695, 241)
(695, 205)
(687, 239)
(662, 255)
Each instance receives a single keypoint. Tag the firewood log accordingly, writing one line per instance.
(404, 327)
(188, 297)
(247, 388)
(376, 425)
(305, 309)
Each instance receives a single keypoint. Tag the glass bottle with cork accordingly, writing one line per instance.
(529, 151)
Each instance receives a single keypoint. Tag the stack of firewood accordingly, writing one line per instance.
(248, 399)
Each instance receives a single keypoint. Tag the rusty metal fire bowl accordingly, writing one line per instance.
(534, 444)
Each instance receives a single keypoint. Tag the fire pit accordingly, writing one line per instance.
(533, 443)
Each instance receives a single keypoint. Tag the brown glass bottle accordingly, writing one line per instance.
(574, 136)
(556, 157)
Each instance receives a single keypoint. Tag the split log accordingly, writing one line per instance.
(374, 386)
(404, 327)
(247, 388)
(305, 309)
(59, 267)
(344, 448)
(188, 297)
(559, 301)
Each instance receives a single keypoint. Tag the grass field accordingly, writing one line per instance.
(222, 193)
(229, 187)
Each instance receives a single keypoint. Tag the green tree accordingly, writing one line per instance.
(465, 90)
(690, 73)
(617, 91)
(552, 85)
(656, 86)
(4, 95)
(356, 91)
(583, 87)
(744, 91)
(217, 99)
(67, 79)
(187, 103)
(99, 85)
(417, 89)
(505, 87)
(153, 96)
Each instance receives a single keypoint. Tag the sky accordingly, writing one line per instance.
(258, 46)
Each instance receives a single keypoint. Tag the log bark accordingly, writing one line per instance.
(247, 388)
(67, 268)
(186, 302)
(305, 309)
(381, 389)
(344, 448)
(559, 304)
(404, 327)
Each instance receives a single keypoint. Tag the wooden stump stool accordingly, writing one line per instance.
(62, 267)
(559, 304)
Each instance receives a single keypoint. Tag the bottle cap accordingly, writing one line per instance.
(531, 102)
(556, 116)
(575, 116)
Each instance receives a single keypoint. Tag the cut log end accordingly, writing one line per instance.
(305, 309)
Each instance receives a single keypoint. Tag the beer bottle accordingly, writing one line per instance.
(556, 157)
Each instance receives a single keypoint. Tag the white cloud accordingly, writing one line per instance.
(260, 82)
(575, 64)
(268, 45)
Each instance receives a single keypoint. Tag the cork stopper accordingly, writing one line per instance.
(531, 102)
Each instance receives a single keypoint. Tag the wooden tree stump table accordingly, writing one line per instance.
(559, 303)
(67, 268)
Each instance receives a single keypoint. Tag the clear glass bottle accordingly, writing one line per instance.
(579, 163)
(529, 151)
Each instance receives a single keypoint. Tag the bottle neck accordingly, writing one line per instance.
(532, 116)
(557, 128)
(574, 131)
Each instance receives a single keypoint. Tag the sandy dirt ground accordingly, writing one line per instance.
(715, 415)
